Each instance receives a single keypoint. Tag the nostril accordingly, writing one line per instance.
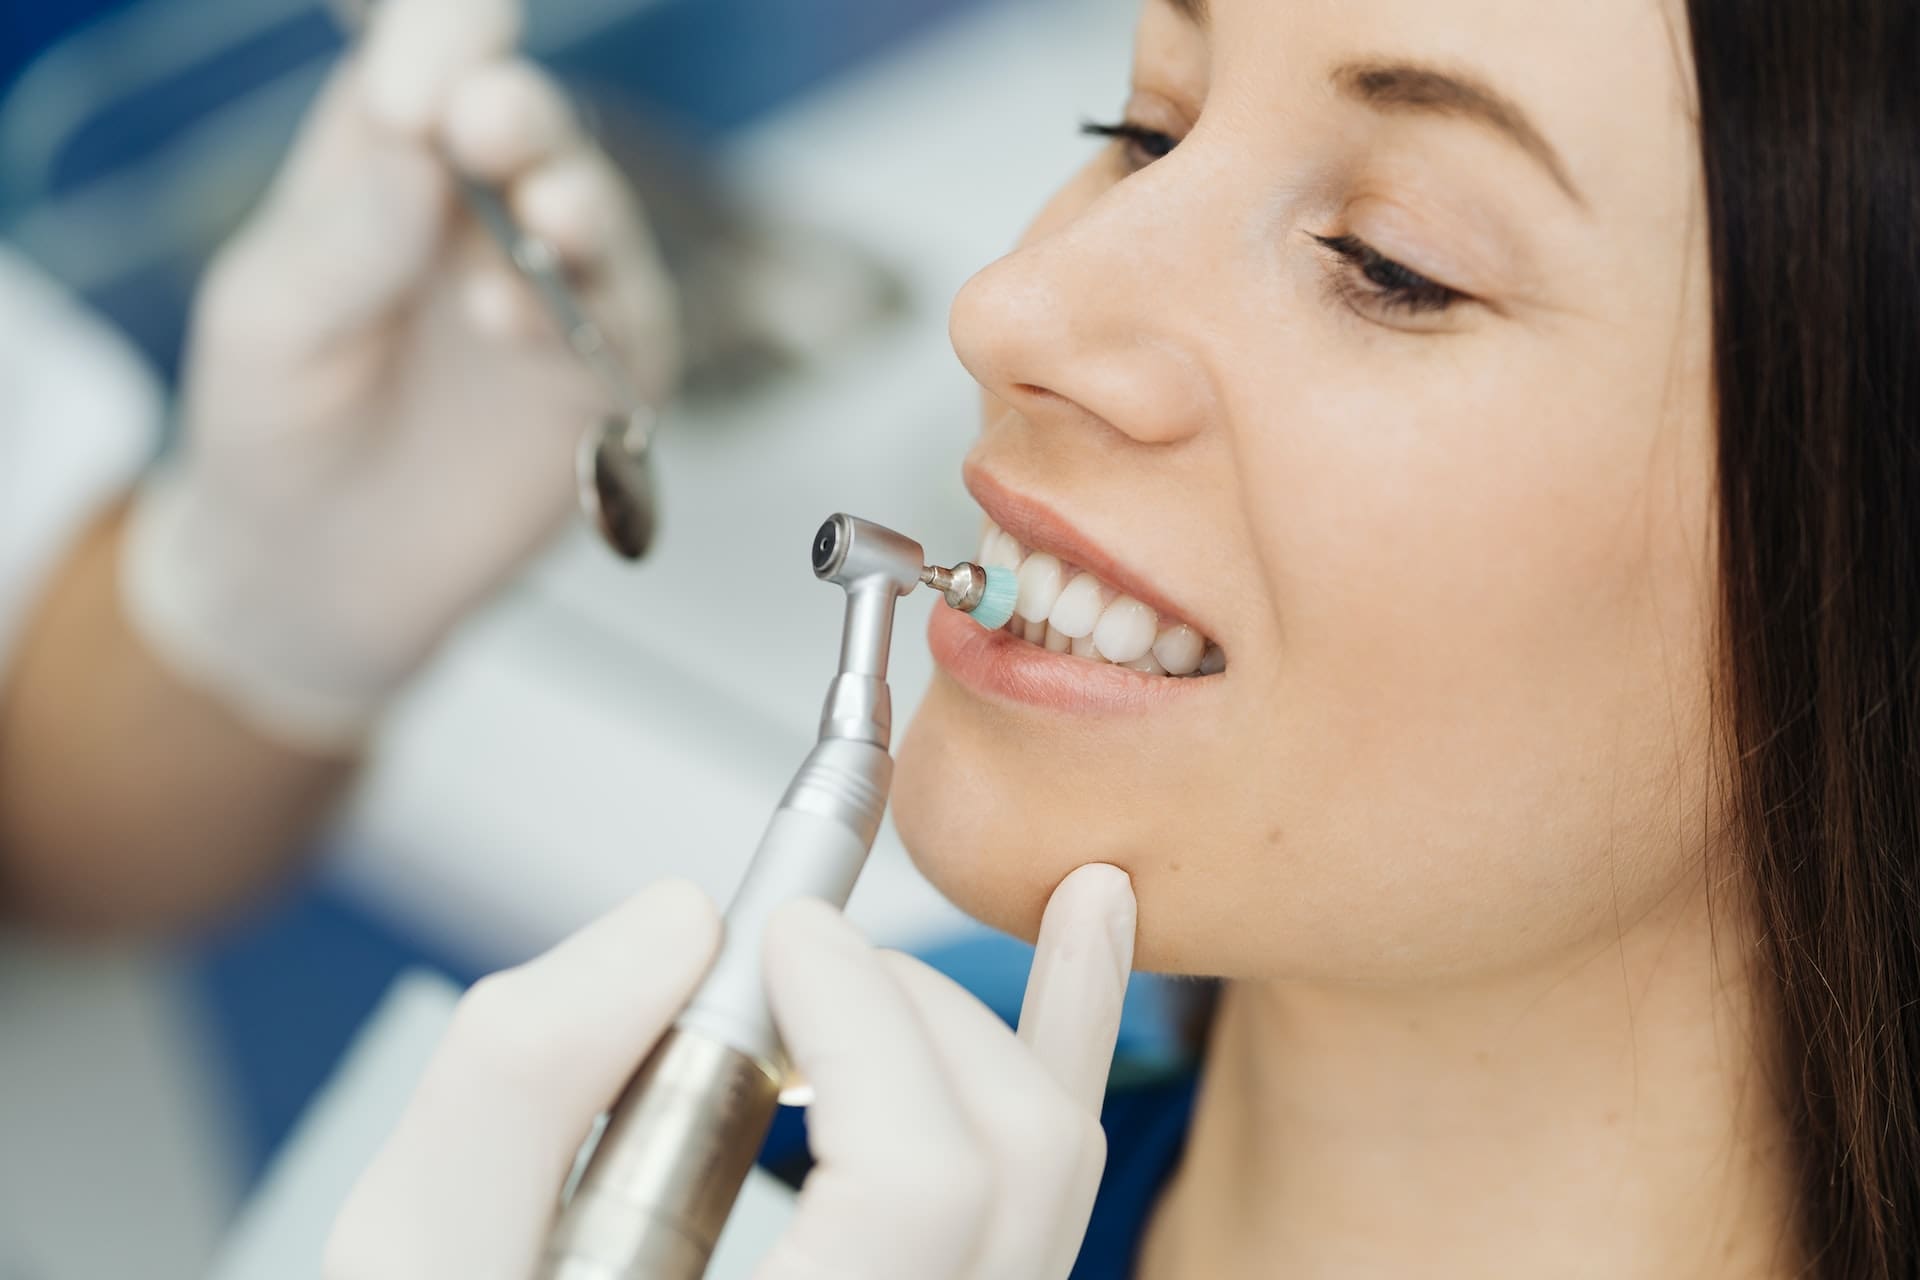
(1038, 392)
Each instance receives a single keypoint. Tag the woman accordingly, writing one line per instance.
(1518, 399)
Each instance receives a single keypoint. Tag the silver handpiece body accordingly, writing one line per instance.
(659, 1185)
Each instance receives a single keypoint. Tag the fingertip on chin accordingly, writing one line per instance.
(1097, 893)
(1102, 882)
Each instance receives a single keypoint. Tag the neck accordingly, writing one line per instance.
(1606, 1115)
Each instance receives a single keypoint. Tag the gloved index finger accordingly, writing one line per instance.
(416, 49)
(1070, 1017)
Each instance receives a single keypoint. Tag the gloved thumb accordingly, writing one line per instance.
(533, 1056)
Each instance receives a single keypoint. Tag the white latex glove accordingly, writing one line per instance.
(947, 1148)
(379, 420)
(466, 1186)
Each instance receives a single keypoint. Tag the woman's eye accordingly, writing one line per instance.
(1370, 279)
(1142, 145)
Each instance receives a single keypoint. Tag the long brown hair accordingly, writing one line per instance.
(1810, 133)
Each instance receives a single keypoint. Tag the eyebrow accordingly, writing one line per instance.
(1409, 87)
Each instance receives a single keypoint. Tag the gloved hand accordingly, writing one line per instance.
(947, 1147)
(465, 1187)
(379, 421)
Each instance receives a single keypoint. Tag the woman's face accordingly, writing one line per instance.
(1379, 354)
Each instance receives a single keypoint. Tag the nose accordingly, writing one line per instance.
(1091, 321)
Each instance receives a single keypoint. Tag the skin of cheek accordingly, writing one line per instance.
(1491, 712)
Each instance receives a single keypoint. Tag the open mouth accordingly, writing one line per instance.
(1066, 609)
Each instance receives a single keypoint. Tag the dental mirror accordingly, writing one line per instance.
(616, 481)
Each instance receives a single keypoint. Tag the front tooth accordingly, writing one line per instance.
(1179, 649)
(1058, 643)
(1077, 611)
(1002, 552)
(1213, 662)
(1039, 587)
(989, 537)
(1084, 647)
(1126, 630)
(1035, 631)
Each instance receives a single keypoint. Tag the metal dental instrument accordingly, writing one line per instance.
(679, 1143)
(613, 467)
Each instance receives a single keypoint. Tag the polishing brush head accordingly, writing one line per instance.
(997, 600)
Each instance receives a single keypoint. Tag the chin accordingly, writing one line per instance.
(997, 827)
(963, 824)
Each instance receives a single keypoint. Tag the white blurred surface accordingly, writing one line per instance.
(79, 414)
(607, 725)
(116, 1159)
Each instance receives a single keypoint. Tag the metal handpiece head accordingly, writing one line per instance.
(875, 567)
(850, 552)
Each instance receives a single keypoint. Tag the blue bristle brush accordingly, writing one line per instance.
(985, 595)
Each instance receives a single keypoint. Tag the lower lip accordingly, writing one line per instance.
(1004, 667)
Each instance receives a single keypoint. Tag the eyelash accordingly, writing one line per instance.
(1371, 277)
(1143, 145)
(1387, 284)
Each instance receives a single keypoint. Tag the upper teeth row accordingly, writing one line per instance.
(1070, 611)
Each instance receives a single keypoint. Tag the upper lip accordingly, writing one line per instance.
(1038, 527)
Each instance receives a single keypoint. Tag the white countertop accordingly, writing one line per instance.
(603, 725)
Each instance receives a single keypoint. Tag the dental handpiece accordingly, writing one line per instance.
(678, 1144)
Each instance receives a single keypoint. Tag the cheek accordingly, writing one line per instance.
(1493, 612)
